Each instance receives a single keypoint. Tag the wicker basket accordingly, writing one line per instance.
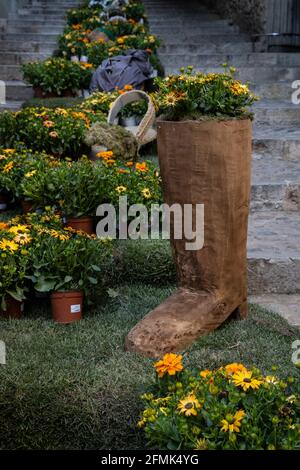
(144, 132)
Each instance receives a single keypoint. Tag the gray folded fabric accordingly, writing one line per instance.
(131, 68)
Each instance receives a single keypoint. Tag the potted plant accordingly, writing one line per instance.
(204, 146)
(19, 164)
(55, 77)
(69, 265)
(15, 246)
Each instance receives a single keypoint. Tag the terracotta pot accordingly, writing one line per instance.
(86, 224)
(27, 206)
(67, 306)
(14, 308)
(39, 93)
(3, 202)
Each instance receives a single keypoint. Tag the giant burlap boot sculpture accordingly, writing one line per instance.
(202, 163)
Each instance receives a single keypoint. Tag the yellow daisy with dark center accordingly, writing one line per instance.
(245, 380)
(189, 405)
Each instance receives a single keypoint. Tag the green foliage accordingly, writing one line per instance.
(147, 261)
(194, 96)
(17, 164)
(231, 408)
(59, 132)
(52, 103)
(7, 129)
(57, 75)
(68, 260)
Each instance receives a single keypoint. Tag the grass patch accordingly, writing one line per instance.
(52, 103)
(74, 387)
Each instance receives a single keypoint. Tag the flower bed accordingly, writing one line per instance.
(229, 408)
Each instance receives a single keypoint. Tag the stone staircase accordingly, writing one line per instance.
(192, 35)
(31, 34)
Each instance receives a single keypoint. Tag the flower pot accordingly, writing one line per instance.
(85, 224)
(27, 206)
(128, 121)
(14, 308)
(3, 202)
(66, 306)
(69, 94)
(41, 94)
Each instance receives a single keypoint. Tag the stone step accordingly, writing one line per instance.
(27, 37)
(10, 72)
(205, 48)
(276, 114)
(193, 30)
(205, 35)
(281, 91)
(275, 183)
(252, 74)
(11, 106)
(274, 252)
(37, 14)
(283, 141)
(34, 29)
(288, 306)
(17, 58)
(18, 91)
(30, 46)
(237, 60)
(34, 22)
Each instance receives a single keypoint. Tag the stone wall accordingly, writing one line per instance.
(250, 15)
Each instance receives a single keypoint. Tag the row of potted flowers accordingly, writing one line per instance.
(76, 188)
(38, 252)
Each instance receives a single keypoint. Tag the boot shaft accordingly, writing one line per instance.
(209, 162)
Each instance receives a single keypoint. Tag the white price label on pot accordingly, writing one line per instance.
(76, 308)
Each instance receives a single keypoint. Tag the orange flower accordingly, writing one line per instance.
(121, 171)
(76, 27)
(141, 166)
(129, 164)
(3, 226)
(106, 155)
(128, 87)
(170, 363)
(205, 373)
(234, 368)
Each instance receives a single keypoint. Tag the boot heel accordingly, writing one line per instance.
(241, 312)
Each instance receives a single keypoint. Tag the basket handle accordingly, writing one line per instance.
(131, 97)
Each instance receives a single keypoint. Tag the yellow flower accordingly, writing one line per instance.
(9, 150)
(172, 98)
(30, 173)
(234, 368)
(128, 87)
(60, 236)
(16, 229)
(201, 444)
(121, 189)
(8, 167)
(8, 245)
(170, 363)
(141, 424)
(239, 89)
(245, 380)
(189, 405)
(146, 193)
(232, 423)
(120, 40)
(271, 379)
(22, 238)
